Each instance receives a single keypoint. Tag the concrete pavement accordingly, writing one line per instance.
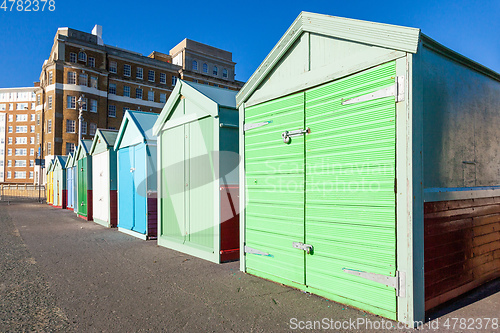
(61, 273)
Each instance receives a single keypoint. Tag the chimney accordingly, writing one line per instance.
(36, 84)
(97, 31)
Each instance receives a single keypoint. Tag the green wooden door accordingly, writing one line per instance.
(332, 189)
(275, 190)
(82, 186)
(350, 202)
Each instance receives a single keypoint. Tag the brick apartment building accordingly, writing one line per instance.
(109, 80)
(17, 134)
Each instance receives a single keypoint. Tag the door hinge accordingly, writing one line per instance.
(257, 252)
(304, 247)
(397, 90)
(397, 282)
(247, 127)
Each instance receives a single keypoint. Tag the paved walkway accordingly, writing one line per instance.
(60, 273)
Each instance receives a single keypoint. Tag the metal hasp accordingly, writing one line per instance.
(304, 247)
(247, 127)
(397, 282)
(287, 135)
(397, 90)
(257, 252)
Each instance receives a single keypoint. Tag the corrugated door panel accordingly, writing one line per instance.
(82, 186)
(126, 194)
(173, 178)
(275, 188)
(350, 199)
(200, 186)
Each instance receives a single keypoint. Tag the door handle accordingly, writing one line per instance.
(287, 135)
(304, 247)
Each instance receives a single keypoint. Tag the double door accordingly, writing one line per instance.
(320, 177)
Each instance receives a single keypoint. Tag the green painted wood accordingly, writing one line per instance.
(275, 188)
(82, 186)
(350, 199)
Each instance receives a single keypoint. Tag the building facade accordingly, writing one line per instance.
(18, 145)
(108, 81)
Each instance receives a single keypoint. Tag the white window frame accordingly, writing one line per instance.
(70, 102)
(72, 57)
(112, 89)
(195, 65)
(112, 111)
(91, 62)
(151, 96)
(70, 126)
(205, 67)
(127, 70)
(137, 90)
(93, 128)
(139, 73)
(163, 98)
(83, 79)
(82, 56)
(163, 78)
(84, 127)
(113, 67)
(93, 105)
(151, 75)
(71, 77)
(49, 102)
(126, 91)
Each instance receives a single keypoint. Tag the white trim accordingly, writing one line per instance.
(77, 88)
(115, 57)
(130, 100)
(460, 193)
(141, 84)
(84, 68)
(132, 233)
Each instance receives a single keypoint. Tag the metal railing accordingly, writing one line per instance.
(19, 192)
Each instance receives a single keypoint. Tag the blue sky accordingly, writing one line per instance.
(249, 29)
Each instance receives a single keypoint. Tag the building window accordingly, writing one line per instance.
(127, 70)
(216, 70)
(195, 65)
(21, 129)
(224, 73)
(32, 163)
(10, 129)
(138, 93)
(38, 98)
(70, 147)
(32, 140)
(21, 152)
(32, 117)
(21, 117)
(2, 107)
(11, 118)
(163, 78)
(112, 111)
(32, 151)
(72, 57)
(112, 88)
(151, 75)
(93, 82)
(151, 96)
(38, 119)
(91, 62)
(174, 80)
(71, 102)
(82, 56)
(83, 80)
(11, 106)
(10, 141)
(93, 105)
(21, 140)
(22, 106)
(50, 102)
(51, 78)
(70, 126)
(84, 127)
(49, 125)
(93, 128)
(163, 98)
(32, 106)
(71, 78)
(139, 73)
(32, 128)
(9, 152)
(112, 66)
(38, 139)
(125, 109)
(20, 163)
(126, 91)
(49, 148)
(195, 80)
(20, 174)
(31, 174)
(205, 68)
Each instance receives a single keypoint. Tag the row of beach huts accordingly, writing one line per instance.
(360, 162)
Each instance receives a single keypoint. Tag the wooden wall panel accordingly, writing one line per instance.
(462, 247)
